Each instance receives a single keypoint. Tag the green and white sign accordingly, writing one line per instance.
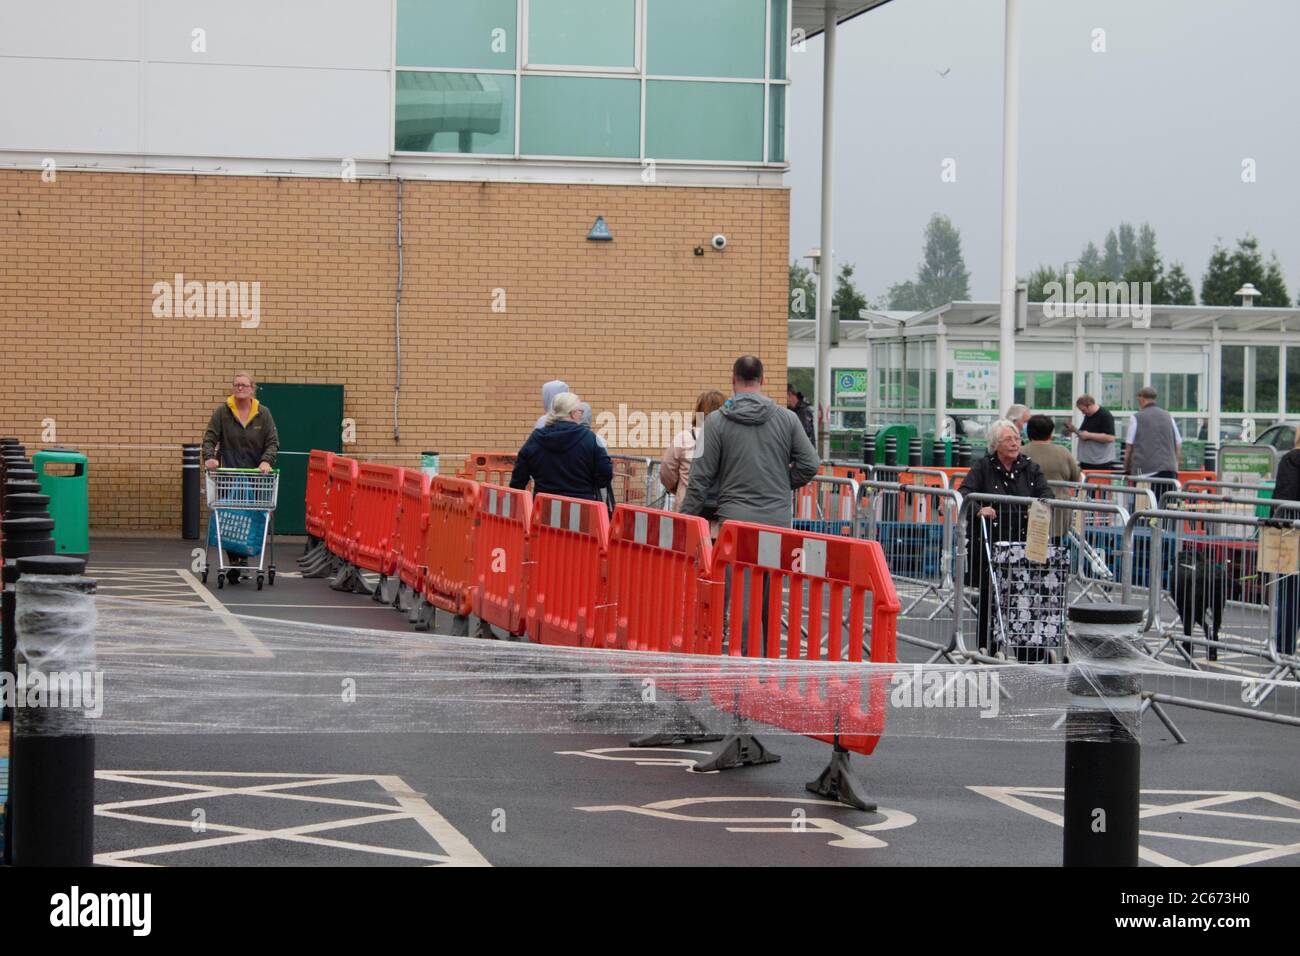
(850, 383)
(1247, 464)
(975, 374)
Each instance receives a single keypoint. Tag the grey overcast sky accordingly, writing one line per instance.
(1153, 129)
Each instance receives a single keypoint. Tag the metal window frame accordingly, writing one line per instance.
(524, 7)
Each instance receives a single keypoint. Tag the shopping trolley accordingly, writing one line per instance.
(1029, 600)
(241, 520)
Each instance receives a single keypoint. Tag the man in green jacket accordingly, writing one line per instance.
(242, 432)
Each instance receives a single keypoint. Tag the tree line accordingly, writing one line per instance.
(1126, 255)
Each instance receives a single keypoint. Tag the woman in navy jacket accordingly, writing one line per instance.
(563, 458)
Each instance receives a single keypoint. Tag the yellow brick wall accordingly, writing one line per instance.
(639, 320)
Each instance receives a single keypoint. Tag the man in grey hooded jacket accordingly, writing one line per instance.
(753, 452)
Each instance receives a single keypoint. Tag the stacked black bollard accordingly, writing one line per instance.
(191, 472)
(1103, 755)
(891, 450)
(52, 759)
(963, 453)
(869, 449)
(914, 453)
(938, 454)
(1211, 457)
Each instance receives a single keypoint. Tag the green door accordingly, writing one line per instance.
(307, 417)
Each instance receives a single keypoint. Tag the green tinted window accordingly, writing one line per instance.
(705, 121)
(776, 125)
(577, 116)
(706, 38)
(453, 33)
(780, 41)
(455, 113)
(582, 33)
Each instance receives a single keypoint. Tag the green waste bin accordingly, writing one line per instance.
(62, 476)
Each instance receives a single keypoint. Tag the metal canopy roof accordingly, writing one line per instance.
(810, 15)
(1194, 319)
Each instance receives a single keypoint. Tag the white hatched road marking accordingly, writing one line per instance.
(451, 846)
(1197, 804)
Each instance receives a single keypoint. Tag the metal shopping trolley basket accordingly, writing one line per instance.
(241, 523)
(1029, 601)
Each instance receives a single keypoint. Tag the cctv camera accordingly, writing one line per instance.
(719, 242)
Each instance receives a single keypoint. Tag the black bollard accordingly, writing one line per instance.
(1211, 462)
(52, 760)
(963, 453)
(869, 449)
(1103, 755)
(30, 505)
(23, 537)
(914, 453)
(938, 454)
(191, 472)
(891, 450)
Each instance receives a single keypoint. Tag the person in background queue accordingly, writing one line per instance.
(1096, 435)
(675, 469)
(563, 457)
(795, 401)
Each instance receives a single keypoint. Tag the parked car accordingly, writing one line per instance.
(1281, 436)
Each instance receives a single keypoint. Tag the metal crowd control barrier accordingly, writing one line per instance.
(568, 550)
(1020, 612)
(657, 561)
(1244, 613)
(908, 475)
(827, 505)
(449, 549)
(918, 542)
(1096, 538)
(634, 480)
(500, 592)
(1217, 582)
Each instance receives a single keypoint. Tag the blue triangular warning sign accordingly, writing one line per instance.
(600, 232)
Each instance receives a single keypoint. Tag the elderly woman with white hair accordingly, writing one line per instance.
(1003, 471)
(563, 457)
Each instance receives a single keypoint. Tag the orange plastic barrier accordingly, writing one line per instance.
(500, 591)
(841, 569)
(657, 560)
(489, 467)
(449, 544)
(374, 521)
(342, 500)
(1184, 477)
(567, 548)
(319, 464)
(412, 527)
(955, 475)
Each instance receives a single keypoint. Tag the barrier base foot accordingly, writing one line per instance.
(311, 552)
(323, 566)
(349, 579)
(405, 600)
(422, 614)
(459, 625)
(386, 593)
(838, 783)
(672, 740)
(693, 731)
(740, 750)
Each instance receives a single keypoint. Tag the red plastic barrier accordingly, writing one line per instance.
(374, 524)
(412, 527)
(657, 560)
(500, 589)
(319, 465)
(449, 544)
(488, 467)
(342, 501)
(828, 567)
(567, 549)
(955, 476)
